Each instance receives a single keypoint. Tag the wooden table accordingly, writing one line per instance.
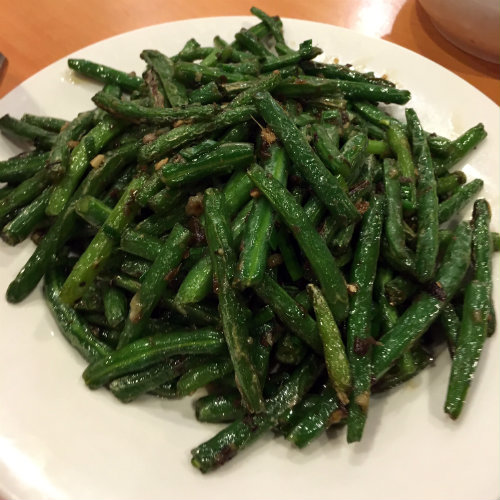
(37, 33)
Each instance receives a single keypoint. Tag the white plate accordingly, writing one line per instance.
(60, 440)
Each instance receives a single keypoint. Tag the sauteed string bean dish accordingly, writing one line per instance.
(245, 220)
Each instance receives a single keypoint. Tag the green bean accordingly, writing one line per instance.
(337, 364)
(263, 84)
(263, 342)
(388, 312)
(192, 51)
(374, 114)
(397, 139)
(363, 271)
(135, 113)
(108, 337)
(244, 67)
(152, 186)
(448, 184)
(191, 73)
(156, 94)
(177, 137)
(193, 314)
(353, 153)
(462, 197)
(61, 152)
(146, 352)
(91, 301)
(27, 191)
(129, 387)
(377, 147)
(415, 321)
(273, 24)
(262, 317)
(106, 74)
(342, 239)
(168, 390)
(481, 245)
(193, 256)
(164, 68)
(48, 123)
(98, 252)
(251, 42)
(135, 267)
(167, 200)
(289, 312)
(418, 358)
(314, 210)
(399, 289)
(362, 189)
(470, 342)
(259, 30)
(309, 165)
(218, 54)
(87, 148)
(234, 319)
(18, 129)
(290, 350)
(19, 228)
(93, 211)
(325, 140)
(427, 202)
(406, 365)
(239, 133)
(241, 433)
(198, 377)
(375, 134)
(96, 319)
(450, 323)
(344, 259)
(325, 412)
(206, 94)
(254, 245)
(118, 187)
(460, 147)
(343, 73)
(231, 90)
(239, 222)
(222, 159)
(140, 244)
(294, 415)
(95, 182)
(219, 408)
(289, 255)
(22, 167)
(306, 52)
(394, 216)
(315, 249)
(495, 241)
(159, 224)
(73, 328)
(115, 306)
(310, 86)
(438, 145)
(197, 284)
(154, 284)
(237, 191)
(192, 152)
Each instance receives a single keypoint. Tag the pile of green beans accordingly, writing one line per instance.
(245, 220)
